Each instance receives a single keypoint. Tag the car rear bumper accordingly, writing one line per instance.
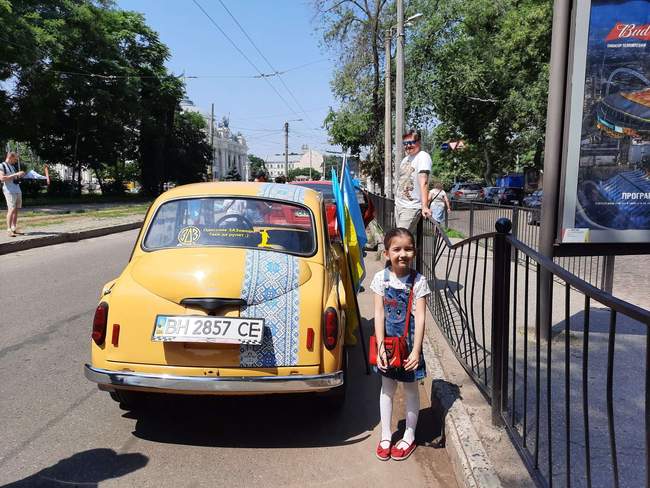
(219, 384)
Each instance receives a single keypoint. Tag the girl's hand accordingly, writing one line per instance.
(382, 360)
(412, 361)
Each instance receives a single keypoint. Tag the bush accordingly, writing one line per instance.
(61, 188)
(113, 188)
(31, 188)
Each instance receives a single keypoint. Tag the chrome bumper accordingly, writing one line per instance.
(225, 384)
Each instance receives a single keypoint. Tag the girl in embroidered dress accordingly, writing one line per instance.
(392, 287)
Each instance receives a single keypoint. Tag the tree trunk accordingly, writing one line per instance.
(488, 165)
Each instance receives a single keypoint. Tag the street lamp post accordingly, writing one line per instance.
(399, 97)
(388, 129)
(399, 84)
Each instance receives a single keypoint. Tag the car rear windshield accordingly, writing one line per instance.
(232, 222)
(471, 187)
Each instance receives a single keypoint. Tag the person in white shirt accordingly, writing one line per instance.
(411, 196)
(9, 175)
(437, 202)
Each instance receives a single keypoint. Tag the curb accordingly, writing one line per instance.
(470, 462)
(22, 245)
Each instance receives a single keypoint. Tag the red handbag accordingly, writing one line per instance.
(395, 348)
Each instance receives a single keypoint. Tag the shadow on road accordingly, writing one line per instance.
(269, 421)
(87, 469)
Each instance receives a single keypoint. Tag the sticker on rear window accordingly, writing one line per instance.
(189, 235)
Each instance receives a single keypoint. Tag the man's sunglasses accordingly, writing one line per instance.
(409, 143)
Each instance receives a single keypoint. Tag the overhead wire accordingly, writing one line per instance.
(244, 56)
(267, 61)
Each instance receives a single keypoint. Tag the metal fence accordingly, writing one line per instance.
(478, 218)
(384, 211)
(576, 405)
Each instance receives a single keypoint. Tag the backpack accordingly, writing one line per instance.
(7, 170)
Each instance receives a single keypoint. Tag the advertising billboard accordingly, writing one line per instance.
(606, 180)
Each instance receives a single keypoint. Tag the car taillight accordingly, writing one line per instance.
(458, 193)
(99, 323)
(331, 328)
(310, 339)
(115, 340)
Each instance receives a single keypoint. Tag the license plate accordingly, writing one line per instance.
(189, 328)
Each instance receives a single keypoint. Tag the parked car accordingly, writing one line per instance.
(325, 187)
(509, 196)
(489, 192)
(465, 193)
(232, 288)
(534, 203)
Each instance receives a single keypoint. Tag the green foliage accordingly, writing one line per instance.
(330, 161)
(355, 31)
(257, 164)
(349, 129)
(315, 175)
(188, 151)
(90, 90)
(479, 69)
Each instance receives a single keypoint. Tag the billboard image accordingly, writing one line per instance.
(607, 166)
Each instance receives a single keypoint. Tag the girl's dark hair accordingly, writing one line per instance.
(397, 231)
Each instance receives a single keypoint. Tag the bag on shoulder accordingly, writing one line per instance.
(394, 348)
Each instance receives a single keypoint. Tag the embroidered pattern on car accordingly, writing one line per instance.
(270, 289)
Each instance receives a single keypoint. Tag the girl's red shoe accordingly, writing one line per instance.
(399, 454)
(383, 453)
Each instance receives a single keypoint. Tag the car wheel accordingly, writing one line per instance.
(128, 400)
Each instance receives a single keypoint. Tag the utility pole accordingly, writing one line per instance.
(286, 150)
(212, 143)
(553, 153)
(388, 122)
(399, 84)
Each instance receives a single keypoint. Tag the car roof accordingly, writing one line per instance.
(275, 191)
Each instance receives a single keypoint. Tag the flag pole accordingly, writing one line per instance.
(362, 337)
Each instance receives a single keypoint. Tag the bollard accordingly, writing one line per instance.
(500, 317)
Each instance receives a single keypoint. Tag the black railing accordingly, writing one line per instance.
(384, 211)
(574, 406)
(478, 218)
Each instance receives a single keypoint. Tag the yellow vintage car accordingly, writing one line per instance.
(231, 289)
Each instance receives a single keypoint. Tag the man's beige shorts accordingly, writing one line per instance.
(407, 218)
(14, 200)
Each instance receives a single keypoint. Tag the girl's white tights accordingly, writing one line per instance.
(388, 388)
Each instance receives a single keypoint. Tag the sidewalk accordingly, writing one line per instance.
(444, 421)
(55, 224)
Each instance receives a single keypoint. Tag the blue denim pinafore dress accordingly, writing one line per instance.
(395, 305)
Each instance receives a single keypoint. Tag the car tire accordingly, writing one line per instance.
(128, 400)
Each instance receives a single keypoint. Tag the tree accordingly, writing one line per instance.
(189, 152)
(94, 91)
(479, 69)
(315, 175)
(354, 30)
(257, 164)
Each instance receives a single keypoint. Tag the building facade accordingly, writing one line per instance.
(230, 152)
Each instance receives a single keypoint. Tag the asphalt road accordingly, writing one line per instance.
(58, 429)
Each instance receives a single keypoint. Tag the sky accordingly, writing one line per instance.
(285, 33)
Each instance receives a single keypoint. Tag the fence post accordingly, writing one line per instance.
(471, 219)
(515, 221)
(419, 242)
(500, 317)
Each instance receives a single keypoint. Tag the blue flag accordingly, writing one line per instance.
(351, 202)
(338, 200)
